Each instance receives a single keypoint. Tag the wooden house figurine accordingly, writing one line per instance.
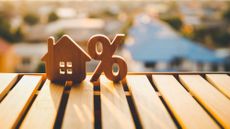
(65, 60)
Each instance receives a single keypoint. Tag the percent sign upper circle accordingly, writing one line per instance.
(106, 57)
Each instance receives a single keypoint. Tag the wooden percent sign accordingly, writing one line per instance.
(106, 57)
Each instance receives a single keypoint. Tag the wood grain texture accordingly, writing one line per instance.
(187, 111)
(213, 100)
(6, 82)
(79, 113)
(150, 109)
(43, 112)
(14, 105)
(114, 106)
(221, 82)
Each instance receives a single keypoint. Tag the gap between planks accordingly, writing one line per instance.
(79, 111)
(213, 100)
(114, 103)
(6, 83)
(186, 110)
(22, 93)
(150, 109)
(43, 111)
(221, 82)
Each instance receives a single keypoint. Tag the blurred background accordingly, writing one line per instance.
(160, 36)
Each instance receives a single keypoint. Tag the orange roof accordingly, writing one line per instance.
(4, 46)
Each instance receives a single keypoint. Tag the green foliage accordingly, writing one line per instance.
(103, 14)
(199, 33)
(127, 25)
(227, 64)
(52, 17)
(31, 19)
(209, 35)
(222, 39)
(108, 13)
(5, 28)
(6, 33)
(41, 68)
(18, 35)
(59, 34)
(226, 14)
(218, 36)
(174, 22)
(93, 15)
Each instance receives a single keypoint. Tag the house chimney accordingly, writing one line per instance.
(51, 55)
(50, 45)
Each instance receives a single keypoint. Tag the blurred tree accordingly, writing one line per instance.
(52, 17)
(175, 22)
(31, 19)
(6, 33)
(216, 36)
(227, 63)
(5, 28)
(103, 14)
(93, 15)
(59, 34)
(41, 68)
(127, 25)
(226, 14)
(18, 35)
(222, 39)
(211, 36)
(108, 13)
(199, 33)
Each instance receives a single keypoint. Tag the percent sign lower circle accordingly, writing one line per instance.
(106, 57)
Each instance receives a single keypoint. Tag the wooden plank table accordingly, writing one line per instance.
(142, 100)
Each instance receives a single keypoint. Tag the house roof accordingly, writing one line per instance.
(154, 41)
(67, 39)
(4, 46)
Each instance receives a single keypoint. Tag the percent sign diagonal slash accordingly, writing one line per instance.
(106, 57)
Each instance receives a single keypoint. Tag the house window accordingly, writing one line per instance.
(65, 67)
(61, 71)
(62, 64)
(69, 64)
(69, 71)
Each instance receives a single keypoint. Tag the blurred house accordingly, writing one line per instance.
(78, 28)
(7, 57)
(161, 48)
(36, 33)
(29, 56)
(195, 13)
(191, 13)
